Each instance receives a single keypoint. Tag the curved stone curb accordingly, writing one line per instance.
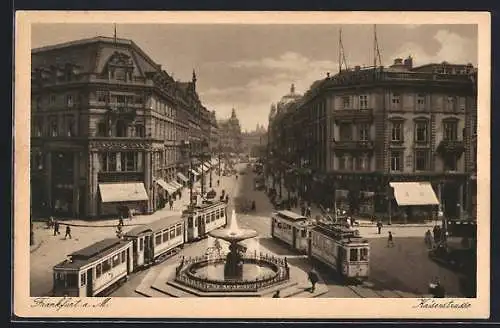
(36, 247)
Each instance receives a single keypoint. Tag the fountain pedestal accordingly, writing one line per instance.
(233, 268)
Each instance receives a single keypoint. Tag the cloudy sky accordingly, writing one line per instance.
(248, 67)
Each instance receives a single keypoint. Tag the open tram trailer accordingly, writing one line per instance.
(93, 270)
(342, 249)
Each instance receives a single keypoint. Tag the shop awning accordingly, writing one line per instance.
(173, 188)
(207, 166)
(166, 186)
(194, 172)
(182, 177)
(414, 193)
(176, 184)
(122, 192)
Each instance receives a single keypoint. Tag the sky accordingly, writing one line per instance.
(249, 67)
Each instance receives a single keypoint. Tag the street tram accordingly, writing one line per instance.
(290, 228)
(156, 241)
(93, 270)
(340, 248)
(201, 219)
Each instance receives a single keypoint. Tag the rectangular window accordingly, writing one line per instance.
(450, 131)
(420, 102)
(346, 101)
(72, 280)
(363, 132)
(172, 233)
(83, 279)
(98, 270)
(158, 239)
(54, 127)
(207, 218)
(354, 163)
(178, 230)
(397, 131)
(102, 96)
(363, 102)
(52, 99)
(353, 255)
(70, 126)
(345, 132)
(421, 160)
(69, 100)
(461, 103)
(364, 164)
(129, 161)
(116, 260)
(395, 100)
(38, 127)
(165, 236)
(363, 254)
(141, 244)
(106, 266)
(421, 134)
(396, 160)
(111, 162)
(450, 103)
(102, 131)
(124, 256)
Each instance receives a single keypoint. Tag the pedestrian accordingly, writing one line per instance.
(119, 232)
(68, 232)
(276, 294)
(390, 240)
(437, 290)
(313, 278)
(428, 239)
(227, 199)
(218, 183)
(171, 203)
(56, 228)
(308, 212)
(379, 226)
(303, 210)
(120, 221)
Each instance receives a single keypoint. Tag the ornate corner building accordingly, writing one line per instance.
(353, 133)
(103, 112)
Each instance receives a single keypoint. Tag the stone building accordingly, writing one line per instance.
(253, 141)
(214, 135)
(109, 128)
(230, 134)
(352, 134)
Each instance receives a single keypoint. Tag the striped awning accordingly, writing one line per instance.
(122, 192)
(166, 186)
(414, 193)
(173, 188)
(182, 177)
(176, 184)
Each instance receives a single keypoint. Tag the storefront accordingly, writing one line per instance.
(115, 195)
(416, 201)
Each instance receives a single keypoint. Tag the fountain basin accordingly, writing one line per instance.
(213, 270)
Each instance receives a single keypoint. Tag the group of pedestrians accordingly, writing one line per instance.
(55, 224)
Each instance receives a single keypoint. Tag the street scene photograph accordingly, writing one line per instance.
(253, 160)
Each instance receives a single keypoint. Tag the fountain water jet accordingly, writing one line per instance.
(233, 267)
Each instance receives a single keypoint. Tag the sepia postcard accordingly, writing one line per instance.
(270, 165)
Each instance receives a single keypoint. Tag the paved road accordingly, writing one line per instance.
(402, 269)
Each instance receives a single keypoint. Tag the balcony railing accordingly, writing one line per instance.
(451, 146)
(353, 114)
(353, 145)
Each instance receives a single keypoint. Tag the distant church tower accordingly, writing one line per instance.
(193, 80)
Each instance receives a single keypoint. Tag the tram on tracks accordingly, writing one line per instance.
(100, 268)
(342, 249)
(290, 228)
(201, 219)
(335, 245)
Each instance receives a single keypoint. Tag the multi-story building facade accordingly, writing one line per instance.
(108, 128)
(252, 141)
(214, 134)
(353, 133)
(230, 134)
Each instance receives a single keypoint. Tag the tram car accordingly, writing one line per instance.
(94, 270)
(156, 241)
(201, 219)
(341, 249)
(290, 228)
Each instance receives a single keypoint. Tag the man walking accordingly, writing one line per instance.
(390, 241)
(68, 232)
(56, 228)
(171, 203)
(313, 278)
(379, 226)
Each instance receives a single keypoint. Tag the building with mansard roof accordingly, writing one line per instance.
(354, 134)
(109, 129)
